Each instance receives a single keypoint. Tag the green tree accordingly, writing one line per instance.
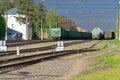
(41, 16)
(4, 6)
(38, 20)
(26, 7)
(51, 18)
(2, 27)
(35, 29)
(1, 6)
(66, 23)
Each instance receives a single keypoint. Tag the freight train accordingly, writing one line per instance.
(98, 34)
(60, 33)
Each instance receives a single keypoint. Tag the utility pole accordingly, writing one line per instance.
(50, 29)
(41, 30)
(119, 23)
(6, 16)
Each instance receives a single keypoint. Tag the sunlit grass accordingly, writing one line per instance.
(108, 70)
(100, 45)
(116, 42)
(107, 43)
(109, 74)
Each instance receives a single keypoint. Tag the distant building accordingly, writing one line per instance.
(79, 29)
(14, 25)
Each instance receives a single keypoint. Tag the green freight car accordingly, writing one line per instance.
(74, 34)
(58, 33)
(85, 35)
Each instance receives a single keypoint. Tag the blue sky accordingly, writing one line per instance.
(87, 13)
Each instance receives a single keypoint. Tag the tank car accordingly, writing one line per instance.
(97, 33)
(109, 35)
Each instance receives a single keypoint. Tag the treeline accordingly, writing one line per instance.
(41, 20)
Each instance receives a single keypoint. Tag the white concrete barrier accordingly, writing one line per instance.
(1, 43)
(3, 46)
(60, 46)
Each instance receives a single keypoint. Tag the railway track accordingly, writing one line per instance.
(19, 43)
(20, 62)
(10, 53)
(28, 42)
(8, 65)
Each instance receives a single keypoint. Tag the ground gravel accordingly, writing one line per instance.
(48, 70)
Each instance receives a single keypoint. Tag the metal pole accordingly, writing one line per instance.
(41, 31)
(49, 30)
(6, 16)
(119, 23)
(118, 26)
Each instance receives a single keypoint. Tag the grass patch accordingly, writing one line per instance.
(109, 71)
(109, 74)
(116, 42)
(100, 45)
(108, 59)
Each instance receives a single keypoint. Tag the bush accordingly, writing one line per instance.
(2, 27)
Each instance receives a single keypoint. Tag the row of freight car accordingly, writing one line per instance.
(107, 35)
(59, 33)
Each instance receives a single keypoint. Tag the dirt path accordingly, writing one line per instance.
(79, 66)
